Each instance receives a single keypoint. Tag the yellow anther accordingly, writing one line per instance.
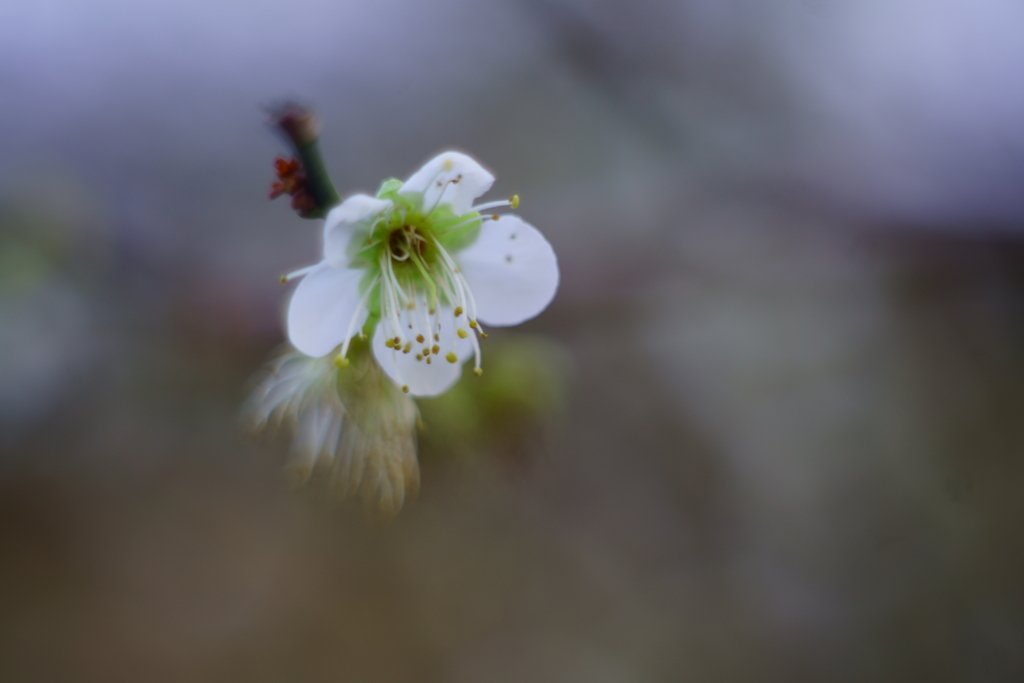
(462, 333)
(436, 338)
(411, 306)
(419, 338)
(451, 357)
(398, 342)
(428, 360)
(407, 348)
(435, 349)
(495, 217)
(390, 343)
(419, 356)
(340, 362)
(514, 201)
(405, 389)
(447, 164)
(426, 351)
(458, 311)
(284, 279)
(478, 371)
(483, 335)
(472, 323)
(431, 311)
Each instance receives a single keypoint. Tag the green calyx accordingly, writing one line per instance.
(405, 245)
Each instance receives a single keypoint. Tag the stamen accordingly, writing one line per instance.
(351, 324)
(512, 202)
(462, 333)
(451, 357)
(458, 311)
(297, 273)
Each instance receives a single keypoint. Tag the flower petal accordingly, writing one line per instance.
(435, 182)
(342, 222)
(322, 309)
(423, 379)
(511, 270)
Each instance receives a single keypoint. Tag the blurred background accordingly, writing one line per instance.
(771, 428)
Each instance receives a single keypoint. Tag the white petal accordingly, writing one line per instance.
(433, 181)
(511, 270)
(322, 307)
(421, 378)
(344, 220)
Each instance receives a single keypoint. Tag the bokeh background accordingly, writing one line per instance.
(780, 432)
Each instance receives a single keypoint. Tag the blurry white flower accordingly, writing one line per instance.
(420, 268)
(356, 425)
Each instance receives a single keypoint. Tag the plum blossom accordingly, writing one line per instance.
(421, 269)
(354, 425)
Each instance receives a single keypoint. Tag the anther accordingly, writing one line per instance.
(407, 348)
(390, 343)
(419, 338)
(483, 335)
(340, 362)
(436, 338)
(284, 279)
(495, 217)
(458, 311)
(472, 323)
(398, 342)
(514, 201)
(419, 356)
(462, 333)
(478, 371)
(451, 357)
(435, 349)
(428, 360)
(405, 389)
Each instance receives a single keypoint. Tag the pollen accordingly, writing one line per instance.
(514, 202)
(458, 311)
(451, 357)
(435, 349)
(419, 338)
(407, 348)
(390, 343)
(462, 333)
(428, 361)
(478, 371)
(472, 323)
(340, 362)
(436, 338)
(419, 356)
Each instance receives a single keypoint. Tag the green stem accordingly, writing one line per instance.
(318, 180)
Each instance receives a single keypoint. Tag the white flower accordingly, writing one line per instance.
(356, 425)
(421, 268)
